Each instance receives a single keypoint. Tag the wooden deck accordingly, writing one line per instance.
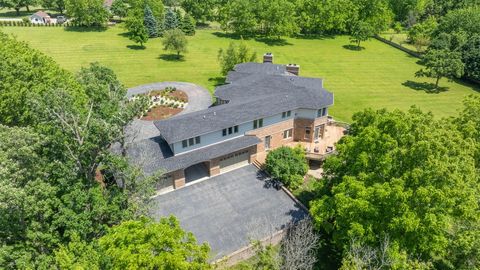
(322, 148)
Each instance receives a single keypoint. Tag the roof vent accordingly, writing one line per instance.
(204, 117)
(268, 58)
(214, 113)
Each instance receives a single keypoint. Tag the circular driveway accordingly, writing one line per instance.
(199, 98)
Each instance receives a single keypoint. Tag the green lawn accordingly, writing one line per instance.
(374, 77)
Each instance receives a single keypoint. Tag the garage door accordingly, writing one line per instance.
(234, 161)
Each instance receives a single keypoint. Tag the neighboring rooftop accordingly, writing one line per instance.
(42, 14)
(254, 91)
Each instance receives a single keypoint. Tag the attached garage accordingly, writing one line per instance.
(234, 161)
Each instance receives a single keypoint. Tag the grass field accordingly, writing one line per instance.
(377, 76)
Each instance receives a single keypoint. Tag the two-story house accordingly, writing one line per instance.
(262, 106)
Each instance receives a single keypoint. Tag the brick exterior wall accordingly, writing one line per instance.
(178, 178)
(276, 133)
(299, 132)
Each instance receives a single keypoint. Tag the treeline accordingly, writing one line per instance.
(60, 206)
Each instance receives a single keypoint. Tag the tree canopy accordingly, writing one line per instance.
(441, 63)
(138, 244)
(53, 152)
(233, 55)
(87, 12)
(408, 177)
(287, 164)
(175, 40)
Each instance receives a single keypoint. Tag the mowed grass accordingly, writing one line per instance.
(378, 76)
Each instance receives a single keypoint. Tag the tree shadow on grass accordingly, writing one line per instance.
(124, 34)
(228, 35)
(273, 41)
(353, 47)
(314, 36)
(172, 57)
(136, 47)
(217, 81)
(85, 29)
(424, 86)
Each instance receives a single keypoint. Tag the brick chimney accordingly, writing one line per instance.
(268, 58)
(293, 68)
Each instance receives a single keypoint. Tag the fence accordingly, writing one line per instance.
(398, 46)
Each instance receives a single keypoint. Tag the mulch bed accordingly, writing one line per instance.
(176, 94)
(180, 95)
(160, 113)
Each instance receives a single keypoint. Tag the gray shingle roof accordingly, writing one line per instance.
(154, 154)
(254, 91)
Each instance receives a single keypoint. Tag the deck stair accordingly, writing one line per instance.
(259, 165)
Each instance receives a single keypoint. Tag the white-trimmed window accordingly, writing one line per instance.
(258, 123)
(322, 112)
(229, 131)
(286, 114)
(191, 142)
(287, 134)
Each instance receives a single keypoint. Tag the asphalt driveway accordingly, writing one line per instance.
(230, 209)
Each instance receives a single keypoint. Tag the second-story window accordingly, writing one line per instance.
(191, 142)
(230, 130)
(286, 114)
(257, 123)
(322, 112)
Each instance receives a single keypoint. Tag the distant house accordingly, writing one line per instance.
(40, 17)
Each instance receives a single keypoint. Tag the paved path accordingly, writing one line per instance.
(199, 98)
(230, 209)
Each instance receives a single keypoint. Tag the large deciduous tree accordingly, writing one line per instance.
(141, 244)
(21, 82)
(329, 16)
(277, 18)
(18, 4)
(200, 10)
(87, 12)
(440, 64)
(52, 151)
(58, 5)
(408, 177)
(136, 27)
(462, 28)
(239, 16)
(376, 13)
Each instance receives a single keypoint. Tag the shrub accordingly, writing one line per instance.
(288, 165)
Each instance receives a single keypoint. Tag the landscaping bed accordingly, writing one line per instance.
(160, 112)
(164, 103)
